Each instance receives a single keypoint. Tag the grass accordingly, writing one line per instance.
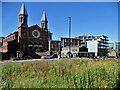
(80, 73)
(0, 72)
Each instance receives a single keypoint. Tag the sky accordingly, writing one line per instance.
(96, 18)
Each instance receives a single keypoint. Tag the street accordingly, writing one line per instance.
(35, 60)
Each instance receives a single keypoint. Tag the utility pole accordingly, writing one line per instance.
(69, 36)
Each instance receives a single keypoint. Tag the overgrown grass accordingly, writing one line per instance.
(79, 73)
(0, 74)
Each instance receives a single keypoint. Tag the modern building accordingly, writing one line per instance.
(117, 45)
(114, 48)
(86, 45)
(27, 40)
(111, 44)
(114, 45)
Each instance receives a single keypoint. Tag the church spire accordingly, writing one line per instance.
(44, 21)
(44, 17)
(23, 10)
(23, 16)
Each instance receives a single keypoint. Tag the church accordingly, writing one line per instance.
(26, 41)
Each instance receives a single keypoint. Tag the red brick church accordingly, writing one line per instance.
(27, 40)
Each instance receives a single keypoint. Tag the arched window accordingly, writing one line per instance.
(40, 44)
(30, 44)
(35, 44)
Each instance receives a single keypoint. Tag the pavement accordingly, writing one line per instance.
(37, 60)
(34, 60)
(25, 61)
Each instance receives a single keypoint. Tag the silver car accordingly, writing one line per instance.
(46, 57)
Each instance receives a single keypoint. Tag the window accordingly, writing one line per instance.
(21, 19)
(65, 40)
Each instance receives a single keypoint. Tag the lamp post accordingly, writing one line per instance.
(69, 36)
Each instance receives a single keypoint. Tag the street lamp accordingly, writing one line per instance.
(69, 36)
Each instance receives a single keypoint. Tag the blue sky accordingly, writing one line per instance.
(96, 18)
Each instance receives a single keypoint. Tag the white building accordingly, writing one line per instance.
(114, 45)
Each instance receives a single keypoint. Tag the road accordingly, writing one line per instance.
(33, 60)
(25, 61)
(39, 60)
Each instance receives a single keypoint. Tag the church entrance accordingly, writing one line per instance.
(35, 47)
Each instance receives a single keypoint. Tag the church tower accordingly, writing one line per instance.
(23, 29)
(23, 26)
(23, 16)
(44, 21)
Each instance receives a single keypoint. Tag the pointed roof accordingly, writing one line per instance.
(23, 10)
(44, 17)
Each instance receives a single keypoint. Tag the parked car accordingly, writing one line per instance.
(46, 57)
